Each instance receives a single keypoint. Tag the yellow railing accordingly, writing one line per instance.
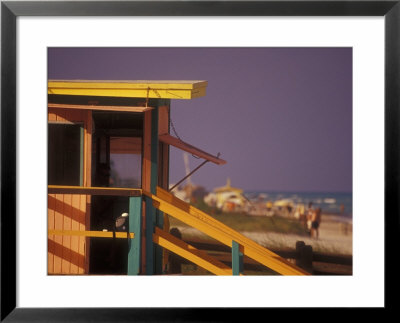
(171, 205)
(92, 234)
(190, 253)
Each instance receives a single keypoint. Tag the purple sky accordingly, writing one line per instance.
(281, 117)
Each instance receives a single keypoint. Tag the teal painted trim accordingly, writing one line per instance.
(237, 259)
(81, 155)
(150, 218)
(135, 226)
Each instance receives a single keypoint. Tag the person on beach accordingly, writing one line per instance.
(315, 221)
(341, 209)
(309, 216)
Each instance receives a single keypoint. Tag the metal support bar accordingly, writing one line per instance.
(188, 175)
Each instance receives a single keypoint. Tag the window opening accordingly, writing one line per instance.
(125, 162)
(65, 154)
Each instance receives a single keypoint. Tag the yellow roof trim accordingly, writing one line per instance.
(177, 89)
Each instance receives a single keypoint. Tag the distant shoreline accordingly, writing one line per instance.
(332, 203)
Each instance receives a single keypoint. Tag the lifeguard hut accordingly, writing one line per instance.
(108, 177)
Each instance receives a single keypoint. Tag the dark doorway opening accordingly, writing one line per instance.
(116, 162)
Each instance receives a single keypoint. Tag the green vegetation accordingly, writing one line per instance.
(242, 222)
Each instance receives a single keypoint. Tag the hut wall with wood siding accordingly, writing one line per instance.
(67, 254)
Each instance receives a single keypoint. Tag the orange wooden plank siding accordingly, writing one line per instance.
(83, 262)
(50, 253)
(146, 168)
(125, 145)
(74, 239)
(87, 178)
(163, 128)
(61, 115)
(67, 217)
(52, 115)
(67, 254)
(58, 240)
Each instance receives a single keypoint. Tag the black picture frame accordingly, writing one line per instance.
(11, 10)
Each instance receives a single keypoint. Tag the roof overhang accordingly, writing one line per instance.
(99, 107)
(131, 89)
(170, 140)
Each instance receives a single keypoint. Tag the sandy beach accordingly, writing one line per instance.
(335, 237)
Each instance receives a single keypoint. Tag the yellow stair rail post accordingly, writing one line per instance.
(198, 257)
(188, 214)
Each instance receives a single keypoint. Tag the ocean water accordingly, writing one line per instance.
(328, 202)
